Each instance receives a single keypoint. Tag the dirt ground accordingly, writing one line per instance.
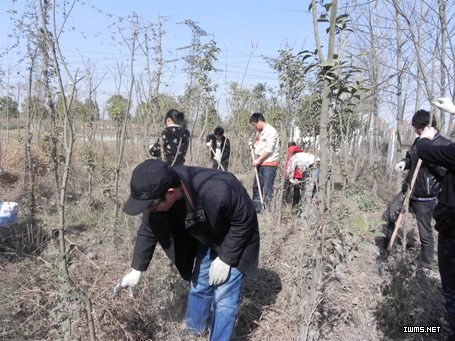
(355, 304)
(354, 296)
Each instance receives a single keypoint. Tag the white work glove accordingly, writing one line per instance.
(399, 167)
(250, 143)
(209, 144)
(219, 272)
(130, 280)
(428, 133)
(445, 104)
(294, 181)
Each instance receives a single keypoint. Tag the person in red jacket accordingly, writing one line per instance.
(291, 187)
(206, 223)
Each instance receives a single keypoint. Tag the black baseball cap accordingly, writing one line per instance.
(150, 180)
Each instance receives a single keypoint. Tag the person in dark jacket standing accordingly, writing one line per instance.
(426, 189)
(207, 225)
(175, 139)
(444, 212)
(220, 149)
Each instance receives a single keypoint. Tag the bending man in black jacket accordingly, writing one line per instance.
(207, 225)
(426, 188)
(444, 212)
(220, 149)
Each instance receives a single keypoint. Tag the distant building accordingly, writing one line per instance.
(407, 132)
(383, 129)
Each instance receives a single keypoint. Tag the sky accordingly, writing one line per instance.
(245, 31)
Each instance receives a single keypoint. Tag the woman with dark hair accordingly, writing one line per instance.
(175, 139)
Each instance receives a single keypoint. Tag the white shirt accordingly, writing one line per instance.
(267, 141)
(301, 161)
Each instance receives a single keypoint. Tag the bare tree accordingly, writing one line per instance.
(50, 38)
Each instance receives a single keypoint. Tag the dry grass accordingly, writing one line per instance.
(282, 302)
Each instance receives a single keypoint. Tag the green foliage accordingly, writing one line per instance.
(293, 81)
(87, 111)
(116, 107)
(291, 75)
(91, 111)
(144, 112)
(366, 203)
(213, 119)
(166, 103)
(198, 93)
(8, 107)
(346, 91)
(153, 112)
(107, 177)
(37, 106)
(308, 114)
(88, 159)
(207, 55)
(47, 142)
(244, 102)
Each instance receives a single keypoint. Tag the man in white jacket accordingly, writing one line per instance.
(266, 147)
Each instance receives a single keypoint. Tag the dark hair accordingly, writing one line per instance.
(256, 117)
(218, 131)
(422, 118)
(177, 116)
(292, 144)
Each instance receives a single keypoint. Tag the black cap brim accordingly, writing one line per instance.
(134, 207)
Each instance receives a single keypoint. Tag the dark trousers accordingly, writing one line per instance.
(423, 211)
(446, 261)
(293, 192)
(266, 176)
(215, 165)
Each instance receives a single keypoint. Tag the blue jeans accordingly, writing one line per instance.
(223, 298)
(266, 176)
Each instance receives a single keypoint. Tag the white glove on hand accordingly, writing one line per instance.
(399, 167)
(130, 280)
(294, 181)
(428, 133)
(219, 272)
(209, 144)
(445, 104)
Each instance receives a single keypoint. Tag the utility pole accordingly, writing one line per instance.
(191, 59)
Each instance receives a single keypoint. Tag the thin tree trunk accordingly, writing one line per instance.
(443, 22)
(325, 110)
(122, 139)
